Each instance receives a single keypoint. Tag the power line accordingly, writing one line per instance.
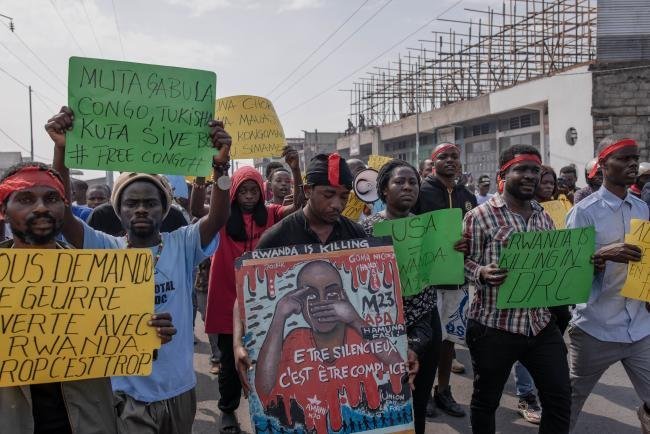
(31, 69)
(334, 50)
(40, 97)
(11, 76)
(374, 59)
(27, 86)
(92, 28)
(21, 146)
(331, 35)
(117, 25)
(38, 58)
(65, 24)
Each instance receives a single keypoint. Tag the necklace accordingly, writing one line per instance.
(158, 251)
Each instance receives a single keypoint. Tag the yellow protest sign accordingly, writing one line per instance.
(354, 207)
(253, 125)
(75, 314)
(558, 210)
(637, 283)
(376, 161)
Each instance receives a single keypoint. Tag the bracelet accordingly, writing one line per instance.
(220, 166)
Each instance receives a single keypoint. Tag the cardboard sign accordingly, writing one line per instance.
(354, 207)
(376, 161)
(254, 126)
(75, 314)
(325, 331)
(547, 268)
(637, 283)
(424, 247)
(140, 118)
(558, 210)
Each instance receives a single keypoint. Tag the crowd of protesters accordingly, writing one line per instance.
(196, 231)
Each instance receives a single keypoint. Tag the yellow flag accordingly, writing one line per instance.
(558, 210)
(253, 125)
(75, 314)
(637, 283)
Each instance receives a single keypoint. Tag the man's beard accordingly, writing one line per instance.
(514, 191)
(29, 237)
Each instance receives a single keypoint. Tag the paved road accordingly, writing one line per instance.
(611, 409)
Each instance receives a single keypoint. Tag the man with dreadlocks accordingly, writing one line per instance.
(165, 401)
(33, 202)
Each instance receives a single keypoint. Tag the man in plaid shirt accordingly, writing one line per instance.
(497, 338)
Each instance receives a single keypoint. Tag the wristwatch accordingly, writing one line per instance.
(224, 182)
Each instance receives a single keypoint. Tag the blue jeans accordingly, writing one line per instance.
(523, 381)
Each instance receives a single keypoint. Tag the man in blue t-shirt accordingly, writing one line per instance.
(165, 401)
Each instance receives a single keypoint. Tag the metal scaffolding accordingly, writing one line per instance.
(523, 40)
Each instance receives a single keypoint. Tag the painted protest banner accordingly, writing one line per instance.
(253, 124)
(75, 314)
(325, 331)
(140, 118)
(547, 268)
(424, 247)
(354, 207)
(558, 210)
(376, 161)
(637, 283)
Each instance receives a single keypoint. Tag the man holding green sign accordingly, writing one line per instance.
(497, 338)
(140, 118)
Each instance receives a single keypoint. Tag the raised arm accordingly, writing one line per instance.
(293, 161)
(56, 127)
(197, 198)
(219, 211)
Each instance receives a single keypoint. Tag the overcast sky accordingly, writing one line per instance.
(252, 45)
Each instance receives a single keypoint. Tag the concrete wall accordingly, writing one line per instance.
(621, 102)
(568, 99)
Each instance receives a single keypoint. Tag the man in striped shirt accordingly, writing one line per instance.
(497, 338)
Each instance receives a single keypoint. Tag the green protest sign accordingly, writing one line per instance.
(140, 118)
(549, 268)
(424, 248)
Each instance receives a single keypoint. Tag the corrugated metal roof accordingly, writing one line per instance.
(623, 30)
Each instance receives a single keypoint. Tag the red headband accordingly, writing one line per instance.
(28, 177)
(333, 165)
(443, 148)
(517, 159)
(609, 150)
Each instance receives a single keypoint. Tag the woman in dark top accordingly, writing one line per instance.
(398, 185)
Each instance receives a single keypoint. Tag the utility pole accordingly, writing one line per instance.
(417, 117)
(31, 126)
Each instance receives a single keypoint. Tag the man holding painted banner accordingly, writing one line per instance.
(164, 402)
(33, 202)
(440, 191)
(497, 338)
(610, 328)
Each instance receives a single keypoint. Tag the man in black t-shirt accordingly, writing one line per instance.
(103, 218)
(328, 186)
